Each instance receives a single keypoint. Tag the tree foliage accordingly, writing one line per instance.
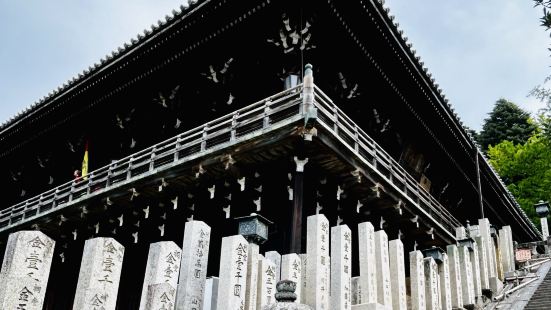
(526, 169)
(506, 122)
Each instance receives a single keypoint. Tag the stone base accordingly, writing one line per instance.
(496, 285)
(372, 306)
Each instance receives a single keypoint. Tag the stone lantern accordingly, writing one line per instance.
(286, 297)
(542, 209)
(468, 242)
(436, 253)
(254, 228)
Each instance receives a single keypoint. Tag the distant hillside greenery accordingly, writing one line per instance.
(519, 148)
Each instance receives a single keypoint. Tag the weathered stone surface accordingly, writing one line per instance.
(355, 290)
(397, 274)
(417, 280)
(373, 306)
(304, 261)
(275, 257)
(384, 295)
(160, 296)
(252, 277)
(455, 276)
(432, 287)
(317, 286)
(544, 228)
(445, 285)
(466, 276)
(266, 283)
(291, 269)
(286, 298)
(211, 293)
(25, 270)
(482, 262)
(475, 263)
(484, 226)
(510, 247)
(460, 233)
(233, 273)
(193, 266)
(163, 266)
(100, 271)
(341, 268)
(368, 268)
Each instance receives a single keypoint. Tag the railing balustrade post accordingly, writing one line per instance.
(129, 171)
(233, 133)
(152, 159)
(204, 138)
(177, 150)
(266, 122)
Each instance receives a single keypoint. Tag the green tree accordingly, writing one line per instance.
(506, 122)
(526, 169)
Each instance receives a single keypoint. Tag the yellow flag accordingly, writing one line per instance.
(85, 162)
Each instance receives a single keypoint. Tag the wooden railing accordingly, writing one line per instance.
(268, 114)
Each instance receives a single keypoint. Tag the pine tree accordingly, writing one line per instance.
(506, 122)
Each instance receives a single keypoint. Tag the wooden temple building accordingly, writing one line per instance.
(215, 113)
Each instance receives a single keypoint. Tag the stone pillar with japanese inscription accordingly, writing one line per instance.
(355, 290)
(303, 277)
(455, 276)
(397, 274)
(417, 280)
(341, 267)
(368, 268)
(432, 286)
(193, 266)
(484, 228)
(482, 262)
(466, 276)
(317, 245)
(384, 296)
(510, 247)
(475, 264)
(251, 294)
(25, 270)
(159, 296)
(266, 283)
(275, 257)
(163, 266)
(445, 285)
(100, 271)
(291, 269)
(233, 273)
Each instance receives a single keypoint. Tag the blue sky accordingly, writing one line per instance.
(478, 51)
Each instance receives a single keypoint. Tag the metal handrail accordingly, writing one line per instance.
(231, 128)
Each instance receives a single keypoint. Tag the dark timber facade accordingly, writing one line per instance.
(206, 117)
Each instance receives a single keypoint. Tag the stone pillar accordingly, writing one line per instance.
(233, 273)
(482, 262)
(163, 266)
(460, 233)
(466, 276)
(503, 248)
(445, 284)
(355, 290)
(455, 276)
(417, 280)
(100, 271)
(397, 274)
(211, 293)
(291, 269)
(544, 228)
(510, 247)
(193, 267)
(303, 261)
(384, 296)
(368, 269)
(275, 257)
(432, 287)
(266, 283)
(475, 264)
(317, 286)
(341, 267)
(25, 270)
(484, 226)
(251, 295)
(499, 264)
(159, 296)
